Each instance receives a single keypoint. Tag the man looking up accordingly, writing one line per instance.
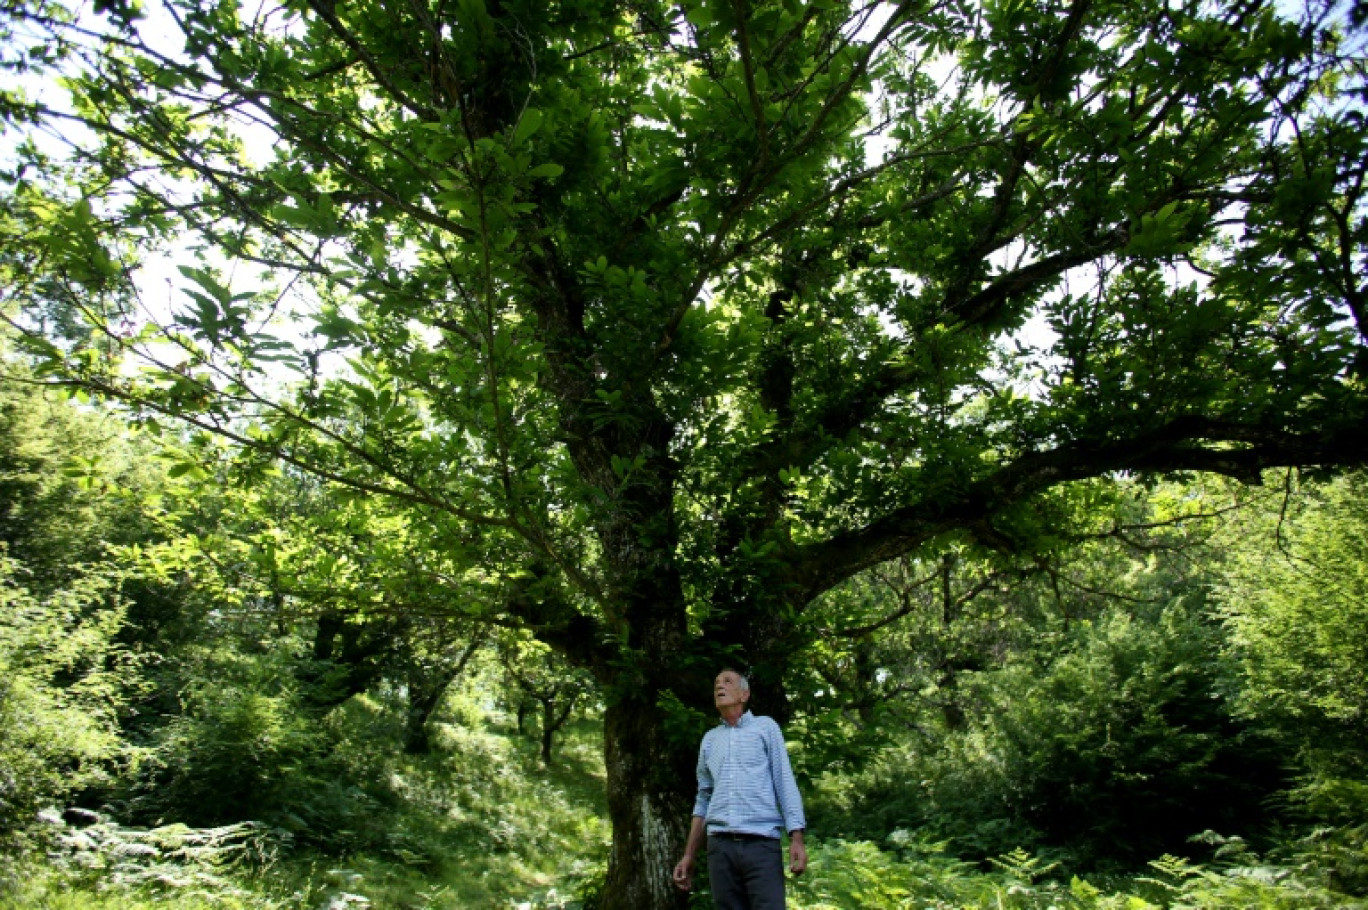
(746, 799)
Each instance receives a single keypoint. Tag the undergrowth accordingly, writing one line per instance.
(913, 875)
(480, 823)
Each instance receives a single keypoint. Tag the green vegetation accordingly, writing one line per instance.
(390, 385)
(62, 682)
(1129, 721)
(477, 823)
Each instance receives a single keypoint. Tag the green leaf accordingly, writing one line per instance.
(549, 169)
(208, 282)
(527, 126)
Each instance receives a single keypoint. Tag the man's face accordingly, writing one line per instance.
(727, 691)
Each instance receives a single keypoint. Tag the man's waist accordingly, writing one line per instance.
(740, 835)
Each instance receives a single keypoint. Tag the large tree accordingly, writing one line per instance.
(667, 318)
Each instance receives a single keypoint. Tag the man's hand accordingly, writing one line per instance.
(797, 853)
(683, 873)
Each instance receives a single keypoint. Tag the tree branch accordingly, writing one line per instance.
(1191, 443)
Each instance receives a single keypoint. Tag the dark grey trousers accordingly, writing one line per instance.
(746, 874)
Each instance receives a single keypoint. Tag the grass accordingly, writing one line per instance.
(484, 824)
(478, 823)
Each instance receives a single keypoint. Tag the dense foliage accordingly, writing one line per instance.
(646, 328)
(1015, 733)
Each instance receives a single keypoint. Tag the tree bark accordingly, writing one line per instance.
(422, 703)
(416, 739)
(548, 732)
(650, 797)
(348, 657)
(553, 718)
(427, 686)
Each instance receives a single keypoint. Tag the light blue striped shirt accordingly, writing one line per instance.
(745, 780)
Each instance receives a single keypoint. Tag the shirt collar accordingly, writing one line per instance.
(743, 721)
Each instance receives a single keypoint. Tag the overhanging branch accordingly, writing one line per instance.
(1192, 443)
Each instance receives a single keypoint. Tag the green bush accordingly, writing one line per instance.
(1119, 750)
(1296, 622)
(1334, 848)
(103, 865)
(244, 748)
(63, 682)
(1115, 749)
(232, 756)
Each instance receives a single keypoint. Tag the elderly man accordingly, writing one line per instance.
(746, 799)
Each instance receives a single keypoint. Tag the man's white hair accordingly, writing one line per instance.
(742, 682)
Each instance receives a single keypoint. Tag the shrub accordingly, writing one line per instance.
(917, 875)
(1116, 750)
(63, 682)
(101, 865)
(246, 749)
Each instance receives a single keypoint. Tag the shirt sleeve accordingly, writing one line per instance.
(785, 787)
(705, 782)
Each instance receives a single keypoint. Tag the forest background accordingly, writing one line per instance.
(985, 379)
(1168, 712)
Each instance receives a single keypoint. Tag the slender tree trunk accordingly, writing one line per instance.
(650, 797)
(416, 739)
(548, 733)
(553, 719)
(426, 689)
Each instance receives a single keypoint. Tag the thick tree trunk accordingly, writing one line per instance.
(650, 797)
(424, 695)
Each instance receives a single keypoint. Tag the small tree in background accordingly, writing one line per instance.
(1296, 610)
(1074, 701)
(64, 683)
(1296, 606)
(544, 686)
